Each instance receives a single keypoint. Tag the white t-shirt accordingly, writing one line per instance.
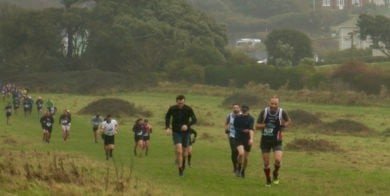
(109, 128)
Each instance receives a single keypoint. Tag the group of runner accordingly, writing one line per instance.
(240, 127)
(21, 97)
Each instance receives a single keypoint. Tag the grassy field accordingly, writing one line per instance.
(360, 167)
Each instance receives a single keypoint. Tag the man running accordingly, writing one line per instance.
(47, 122)
(39, 104)
(243, 124)
(182, 118)
(138, 130)
(65, 122)
(231, 132)
(27, 105)
(189, 148)
(271, 121)
(146, 136)
(8, 113)
(109, 129)
(16, 103)
(96, 122)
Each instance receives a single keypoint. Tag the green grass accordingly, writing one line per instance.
(363, 167)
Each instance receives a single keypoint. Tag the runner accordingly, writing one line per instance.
(47, 122)
(231, 132)
(182, 118)
(27, 105)
(109, 130)
(138, 130)
(96, 122)
(272, 121)
(39, 104)
(65, 122)
(146, 136)
(51, 107)
(193, 135)
(8, 113)
(16, 103)
(243, 124)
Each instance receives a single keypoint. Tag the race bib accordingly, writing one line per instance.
(268, 132)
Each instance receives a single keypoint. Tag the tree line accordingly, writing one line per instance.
(122, 36)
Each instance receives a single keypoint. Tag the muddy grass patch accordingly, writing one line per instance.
(313, 145)
(345, 126)
(115, 107)
(303, 118)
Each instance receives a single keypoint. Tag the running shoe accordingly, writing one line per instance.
(242, 174)
(275, 179)
(268, 184)
(238, 173)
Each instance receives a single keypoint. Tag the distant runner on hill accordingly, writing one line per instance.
(47, 122)
(109, 130)
(65, 123)
(138, 130)
(39, 104)
(146, 136)
(8, 113)
(96, 122)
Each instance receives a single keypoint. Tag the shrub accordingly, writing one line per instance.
(360, 77)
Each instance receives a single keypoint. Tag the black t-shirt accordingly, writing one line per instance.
(47, 122)
(241, 123)
(180, 116)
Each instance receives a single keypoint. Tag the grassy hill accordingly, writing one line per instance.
(360, 166)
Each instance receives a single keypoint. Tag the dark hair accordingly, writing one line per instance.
(108, 116)
(244, 108)
(138, 120)
(235, 104)
(180, 97)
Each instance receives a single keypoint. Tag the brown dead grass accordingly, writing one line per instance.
(310, 145)
(56, 173)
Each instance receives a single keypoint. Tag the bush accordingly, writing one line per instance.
(360, 77)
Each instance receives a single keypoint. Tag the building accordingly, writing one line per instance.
(346, 4)
(349, 38)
